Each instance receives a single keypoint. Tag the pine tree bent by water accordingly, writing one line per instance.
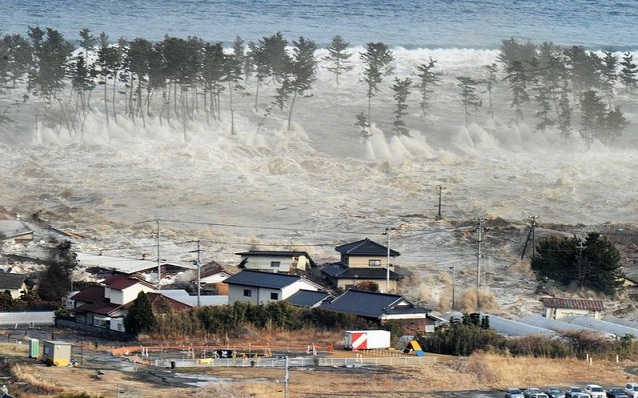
(178, 79)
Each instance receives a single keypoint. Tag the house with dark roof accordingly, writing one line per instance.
(309, 298)
(13, 283)
(557, 308)
(363, 262)
(277, 261)
(265, 287)
(383, 307)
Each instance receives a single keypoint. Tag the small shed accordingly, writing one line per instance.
(58, 351)
(557, 308)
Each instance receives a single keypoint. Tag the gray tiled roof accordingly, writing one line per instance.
(308, 298)
(372, 304)
(365, 247)
(262, 279)
(10, 281)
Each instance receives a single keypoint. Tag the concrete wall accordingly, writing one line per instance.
(94, 330)
(27, 318)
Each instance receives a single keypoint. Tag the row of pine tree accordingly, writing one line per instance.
(177, 78)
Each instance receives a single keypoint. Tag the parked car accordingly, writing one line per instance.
(569, 393)
(616, 392)
(531, 392)
(539, 395)
(554, 392)
(595, 391)
(514, 393)
(631, 389)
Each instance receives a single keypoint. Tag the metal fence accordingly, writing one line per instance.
(292, 362)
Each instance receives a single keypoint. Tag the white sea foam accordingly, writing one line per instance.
(320, 184)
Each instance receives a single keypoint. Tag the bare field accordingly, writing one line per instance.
(479, 374)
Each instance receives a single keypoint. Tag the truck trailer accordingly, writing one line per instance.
(366, 339)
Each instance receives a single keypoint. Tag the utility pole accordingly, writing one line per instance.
(453, 268)
(532, 235)
(286, 380)
(199, 276)
(386, 232)
(159, 267)
(440, 189)
(479, 230)
(533, 227)
(581, 271)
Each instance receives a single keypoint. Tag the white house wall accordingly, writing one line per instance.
(295, 287)
(259, 263)
(558, 313)
(127, 295)
(263, 295)
(236, 293)
(117, 324)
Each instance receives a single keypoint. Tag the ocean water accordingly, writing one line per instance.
(320, 184)
(411, 24)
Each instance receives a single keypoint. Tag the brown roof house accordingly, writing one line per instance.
(557, 308)
(214, 274)
(363, 262)
(105, 305)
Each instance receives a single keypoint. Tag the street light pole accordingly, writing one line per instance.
(386, 232)
(199, 276)
(159, 267)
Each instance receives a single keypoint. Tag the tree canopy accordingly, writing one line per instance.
(593, 263)
(140, 317)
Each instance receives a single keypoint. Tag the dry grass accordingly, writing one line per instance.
(484, 371)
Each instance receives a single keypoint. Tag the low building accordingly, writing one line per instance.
(309, 298)
(105, 305)
(143, 266)
(265, 287)
(383, 307)
(557, 308)
(278, 261)
(363, 262)
(59, 352)
(13, 283)
(213, 275)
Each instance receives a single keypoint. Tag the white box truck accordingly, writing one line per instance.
(366, 339)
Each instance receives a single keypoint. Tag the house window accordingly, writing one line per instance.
(274, 296)
(47, 350)
(248, 293)
(275, 264)
(374, 263)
